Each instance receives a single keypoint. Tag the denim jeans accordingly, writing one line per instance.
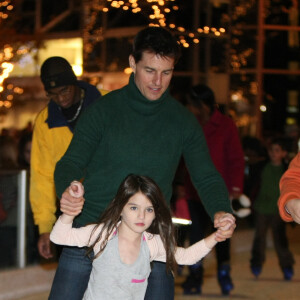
(72, 275)
(160, 283)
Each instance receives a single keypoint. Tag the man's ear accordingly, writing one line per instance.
(132, 63)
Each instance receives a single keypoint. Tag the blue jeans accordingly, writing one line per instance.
(72, 275)
(160, 283)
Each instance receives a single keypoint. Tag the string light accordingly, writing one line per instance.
(239, 58)
(155, 10)
(5, 8)
(8, 55)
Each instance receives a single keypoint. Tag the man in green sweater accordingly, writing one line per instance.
(137, 129)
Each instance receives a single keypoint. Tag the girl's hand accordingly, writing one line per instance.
(76, 189)
(71, 202)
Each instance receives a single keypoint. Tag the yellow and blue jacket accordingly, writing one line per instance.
(51, 137)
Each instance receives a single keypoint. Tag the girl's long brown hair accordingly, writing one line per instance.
(161, 225)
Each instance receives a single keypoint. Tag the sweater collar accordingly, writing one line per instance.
(139, 103)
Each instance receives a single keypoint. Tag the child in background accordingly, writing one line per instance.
(136, 228)
(267, 215)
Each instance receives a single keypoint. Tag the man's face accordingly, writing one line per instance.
(63, 96)
(152, 74)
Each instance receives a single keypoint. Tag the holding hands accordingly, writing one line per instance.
(225, 224)
(72, 201)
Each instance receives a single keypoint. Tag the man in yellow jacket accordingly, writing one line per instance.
(52, 134)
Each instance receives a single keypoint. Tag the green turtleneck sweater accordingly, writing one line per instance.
(125, 133)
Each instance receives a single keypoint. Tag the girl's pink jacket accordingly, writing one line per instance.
(64, 234)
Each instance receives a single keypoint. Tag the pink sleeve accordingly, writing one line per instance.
(183, 256)
(64, 234)
(192, 254)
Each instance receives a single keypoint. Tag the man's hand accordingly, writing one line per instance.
(71, 202)
(293, 207)
(44, 245)
(225, 223)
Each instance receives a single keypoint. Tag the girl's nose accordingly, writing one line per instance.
(141, 215)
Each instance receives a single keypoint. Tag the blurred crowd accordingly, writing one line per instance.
(15, 149)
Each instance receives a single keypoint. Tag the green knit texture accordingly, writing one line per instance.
(124, 133)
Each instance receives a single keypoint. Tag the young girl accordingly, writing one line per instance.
(135, 229)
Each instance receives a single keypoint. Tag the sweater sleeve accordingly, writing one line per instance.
(289, 187)
(207, 180)
(183, 256)
(87, 136)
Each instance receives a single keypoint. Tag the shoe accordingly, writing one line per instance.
(191, 286)
(256, 270)
(288, 273)
(193, 283)
(179, 270)
(224, 279)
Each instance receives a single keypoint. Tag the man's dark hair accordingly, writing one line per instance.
(156, 40)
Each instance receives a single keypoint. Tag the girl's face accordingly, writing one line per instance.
(137, 215)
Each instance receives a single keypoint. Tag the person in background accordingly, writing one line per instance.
(226, 151)
(289, 200)
(266, 213)
(32, 236)
(24, 153)
(52, 133)
(138, 129)
(135, 229)
(8, 201)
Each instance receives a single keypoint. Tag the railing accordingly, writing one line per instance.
(14, 188)
(21, 222)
